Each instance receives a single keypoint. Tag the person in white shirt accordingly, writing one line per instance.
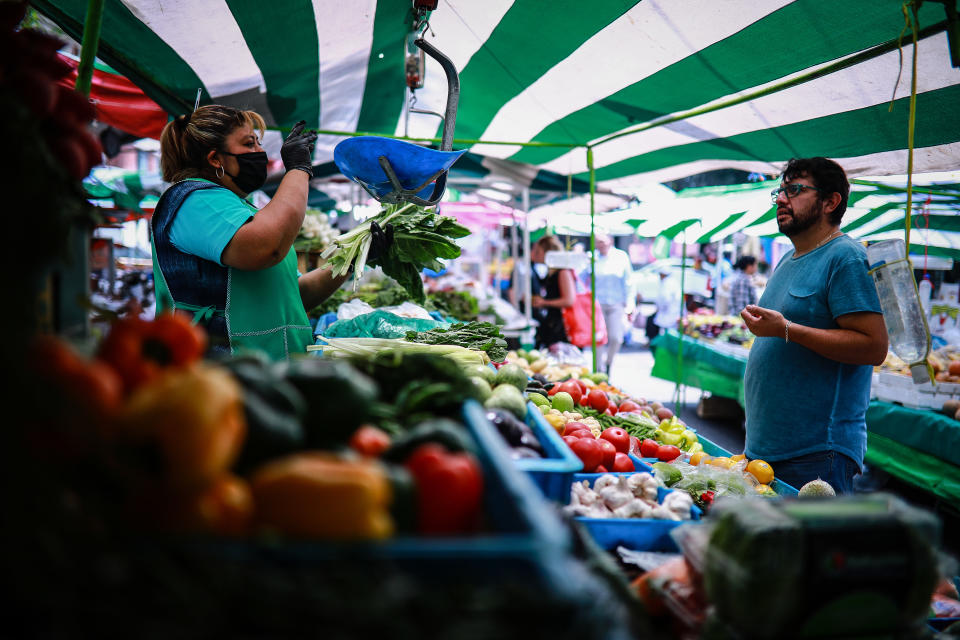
(669, 301)
(612, 272)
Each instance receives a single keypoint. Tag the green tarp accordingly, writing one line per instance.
(702, 367)
(920, 429)
(914, 467)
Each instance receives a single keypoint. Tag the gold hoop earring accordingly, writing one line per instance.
(219, 175)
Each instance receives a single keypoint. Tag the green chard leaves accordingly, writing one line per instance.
(420, 237)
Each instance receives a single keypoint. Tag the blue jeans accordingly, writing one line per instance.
(833, 467)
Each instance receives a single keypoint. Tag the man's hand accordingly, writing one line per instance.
(764, 323)
(536, 302)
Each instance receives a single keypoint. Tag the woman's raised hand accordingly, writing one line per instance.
(297, 149)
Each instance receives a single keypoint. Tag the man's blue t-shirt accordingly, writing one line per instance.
(207, 222)
(798, 402)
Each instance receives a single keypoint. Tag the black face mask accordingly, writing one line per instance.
(253, 170)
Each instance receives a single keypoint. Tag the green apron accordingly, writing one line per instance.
(264, 310)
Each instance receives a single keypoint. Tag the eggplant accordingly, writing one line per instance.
(521, 453)
(530, 441)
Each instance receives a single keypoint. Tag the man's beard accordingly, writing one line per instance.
(798, 222)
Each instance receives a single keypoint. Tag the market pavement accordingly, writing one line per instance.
(631, 373)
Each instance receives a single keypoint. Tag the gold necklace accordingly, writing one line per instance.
(821, 243)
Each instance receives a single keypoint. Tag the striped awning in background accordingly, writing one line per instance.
(563, 72)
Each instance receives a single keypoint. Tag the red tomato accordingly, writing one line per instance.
(574, 426)
(619, 438)
(582, 433)
(570, 440)
(584, 389)
(571, 387)
(369, 441)
(649, 448)
(609, 410)
(609, 453)
(589, 452)
(622, 462)
(612, 409)
(598, 400)
(668, 452)
(553, 390)
(601, 469)
(629, 405)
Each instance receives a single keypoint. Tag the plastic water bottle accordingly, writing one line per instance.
(925, 291)
(906, 321)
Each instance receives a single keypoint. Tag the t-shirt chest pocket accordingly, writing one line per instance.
(806, 304)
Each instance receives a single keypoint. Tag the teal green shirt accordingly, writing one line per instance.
(797, 401)
(207, 222)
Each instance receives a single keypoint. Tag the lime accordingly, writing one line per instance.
(562, 401)
(538, 399)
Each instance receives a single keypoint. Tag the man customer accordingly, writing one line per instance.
(612, 272)
(742, 292)
(819, 332)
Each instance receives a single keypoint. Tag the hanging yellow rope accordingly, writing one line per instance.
(911, 22)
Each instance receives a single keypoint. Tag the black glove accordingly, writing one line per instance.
(297, 149)
(380, 240)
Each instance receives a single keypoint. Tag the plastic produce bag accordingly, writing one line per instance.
(352, 309)
(576, 320)
(379, 324)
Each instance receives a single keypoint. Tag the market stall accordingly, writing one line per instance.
(407, 475)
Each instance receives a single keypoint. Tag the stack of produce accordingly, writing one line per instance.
(627, 496)
(719, 328)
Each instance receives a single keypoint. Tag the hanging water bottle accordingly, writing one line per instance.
(925, 291)
(906, 321)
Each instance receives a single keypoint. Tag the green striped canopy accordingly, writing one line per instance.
(564, 72)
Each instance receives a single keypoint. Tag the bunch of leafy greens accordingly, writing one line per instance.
(479, 336)
(420, 238)
(454, 304)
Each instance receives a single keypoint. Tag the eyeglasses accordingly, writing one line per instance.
(792, 190)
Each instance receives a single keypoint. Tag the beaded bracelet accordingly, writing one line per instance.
(786, 331)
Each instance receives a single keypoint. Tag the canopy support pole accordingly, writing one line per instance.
(683, 310)
(593, 262)
(72, 281)
(528, 271)
(88, 47)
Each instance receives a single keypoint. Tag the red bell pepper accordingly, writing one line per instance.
(449, 489)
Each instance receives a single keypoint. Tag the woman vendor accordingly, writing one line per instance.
(215, 255)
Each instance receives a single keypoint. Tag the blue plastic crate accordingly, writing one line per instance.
(641, 534)
(940, 624)
(554, 472)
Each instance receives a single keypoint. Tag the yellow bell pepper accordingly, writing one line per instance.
(317, 495)
(194, 418)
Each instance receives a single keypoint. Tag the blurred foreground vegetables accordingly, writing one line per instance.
(247, 447)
